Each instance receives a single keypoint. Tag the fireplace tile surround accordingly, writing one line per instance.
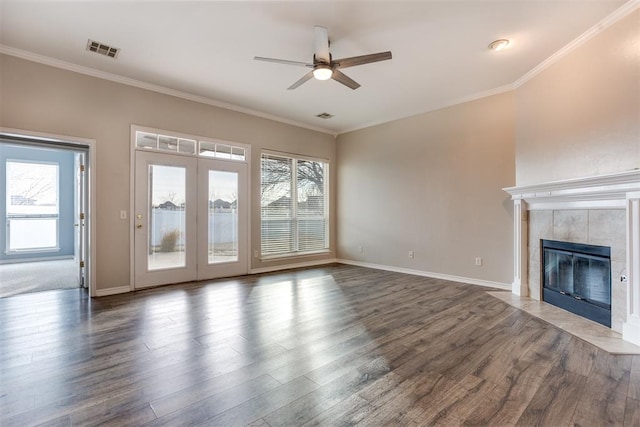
(595, 227)
(601, 210)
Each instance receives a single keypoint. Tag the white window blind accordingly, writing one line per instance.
(294, 208)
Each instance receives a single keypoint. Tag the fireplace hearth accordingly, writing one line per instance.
(577, 278)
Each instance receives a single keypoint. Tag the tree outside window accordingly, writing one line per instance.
(294, 208)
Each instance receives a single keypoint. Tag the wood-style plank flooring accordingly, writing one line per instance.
(336, 345)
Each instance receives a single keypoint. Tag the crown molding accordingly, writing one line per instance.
(52, 62)
(608, 21)
(598, 28)
(458, 101)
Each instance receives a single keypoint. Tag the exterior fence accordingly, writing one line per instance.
(222, 228)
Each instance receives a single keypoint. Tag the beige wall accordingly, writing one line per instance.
(431, 184)
(44, 99)
(581, 116)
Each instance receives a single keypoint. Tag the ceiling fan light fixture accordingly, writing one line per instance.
(498, 45)
(322, 72)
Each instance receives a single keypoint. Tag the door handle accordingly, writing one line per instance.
(138, 225)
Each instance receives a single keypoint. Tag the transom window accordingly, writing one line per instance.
(294, 205)
(191, 147)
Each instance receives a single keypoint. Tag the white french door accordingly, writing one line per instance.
(190, 219)
(164, 219)
(222, 219)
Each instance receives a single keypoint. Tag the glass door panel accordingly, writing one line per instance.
(223, 216)
(167, 225)
(222, 247)
(164, 219)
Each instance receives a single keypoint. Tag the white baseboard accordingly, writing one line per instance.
(290, 266)
(467, 280)
(41, 259)
(112, 291)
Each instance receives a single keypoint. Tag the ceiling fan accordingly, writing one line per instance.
(324, 67)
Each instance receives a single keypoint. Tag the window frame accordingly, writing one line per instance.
(295, 217)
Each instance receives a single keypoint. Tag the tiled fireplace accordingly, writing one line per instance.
(602, 210)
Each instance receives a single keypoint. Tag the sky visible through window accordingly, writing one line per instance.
(32, 188)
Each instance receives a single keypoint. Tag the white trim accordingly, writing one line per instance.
(112, 291)
(467, 280)
(584, 204)
(631, 332)
(293, 255)
(597, 192)
(619, 190)
(132, 203)
(631, 327)
(598, 28)
(618, 14)
(458, 101)
(292, 266)
(520, 285)
(33, 260)
(45, 137)
(198, 138)
(608, 21)
(292, 156)
(90, 145)
(52, 62)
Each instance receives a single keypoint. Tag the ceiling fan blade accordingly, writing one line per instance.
(322, 45)
(283, 61)
(361, 60)
(345, 80)
(303, 79)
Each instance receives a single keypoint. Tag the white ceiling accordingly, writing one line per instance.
(206, 48)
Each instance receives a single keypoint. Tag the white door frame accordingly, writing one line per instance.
(26, 136)
(132, 175)
(144, 277)
(205, 270)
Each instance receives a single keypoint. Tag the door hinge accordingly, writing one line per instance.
(81, 264)
(81, 168)
(81, 215)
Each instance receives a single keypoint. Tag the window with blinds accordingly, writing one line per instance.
(294, 207)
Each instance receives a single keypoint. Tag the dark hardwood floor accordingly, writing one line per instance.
(337, 345)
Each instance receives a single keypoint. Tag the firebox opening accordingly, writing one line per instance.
(577, 278)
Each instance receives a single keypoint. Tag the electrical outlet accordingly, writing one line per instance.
(411, 254)
(478, 261)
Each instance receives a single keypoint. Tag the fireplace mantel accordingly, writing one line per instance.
(604, 191)
(613, 191)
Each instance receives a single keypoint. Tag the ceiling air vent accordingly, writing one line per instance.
(102, 49)
(324, 115)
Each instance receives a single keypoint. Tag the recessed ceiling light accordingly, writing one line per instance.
(498, 45)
